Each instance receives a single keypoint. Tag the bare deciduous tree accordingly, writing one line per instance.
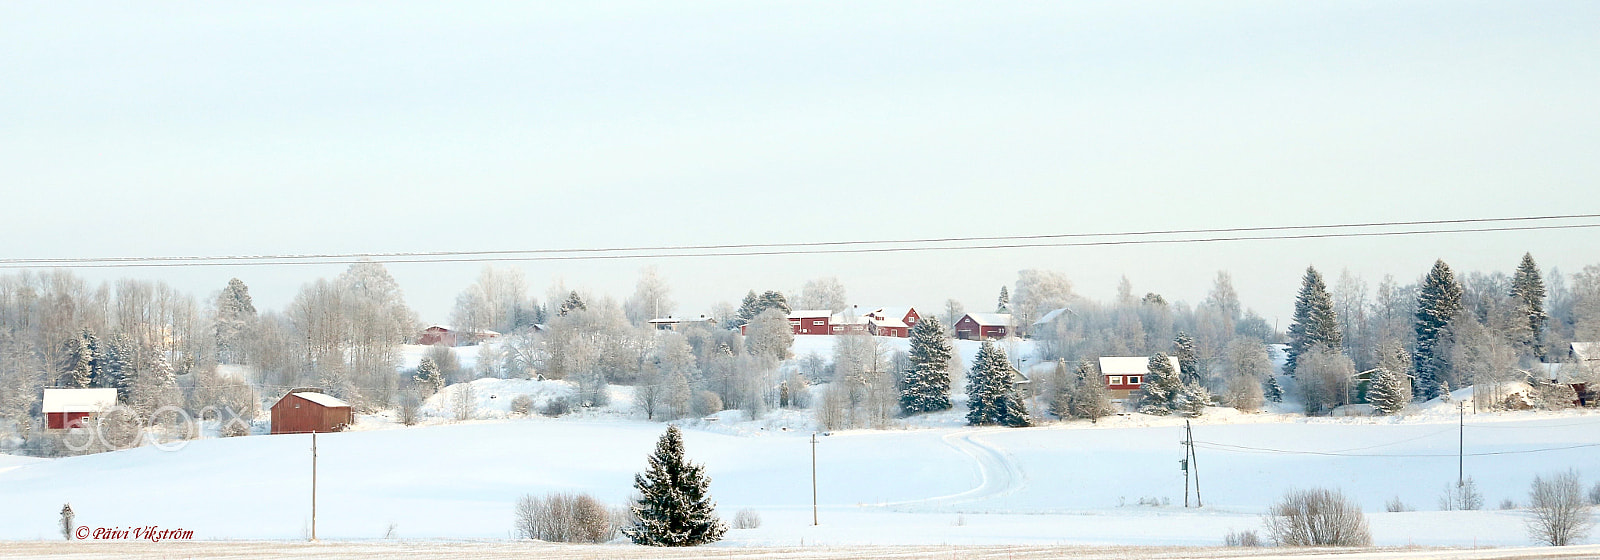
(1560, 514)
(1317, 517)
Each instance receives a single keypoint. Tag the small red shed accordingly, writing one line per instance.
(304, 411)
(65, 409)
(983, 326)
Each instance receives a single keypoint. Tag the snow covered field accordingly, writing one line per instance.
(1059, 484)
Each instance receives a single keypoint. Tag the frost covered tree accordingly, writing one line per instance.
(1387, 394)
(991, 393)
(1438, 304)
(747, 309)
(1166, 393)
(1081, 393)
(155, 385)
(1003, 305)
(1188, 358)
(674, 506)
(651, 298)
(769, 335)
(234, 323)
(428, 376)
(1270, 389)
(1247, 374)
(823, 293)
(77, 360)
(1039, 292)
(1324, 379)
(1315, 322)
(925, 386)
(1528, 293)
(574, 302)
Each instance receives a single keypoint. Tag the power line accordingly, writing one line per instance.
(1248, 449)
(678, 251)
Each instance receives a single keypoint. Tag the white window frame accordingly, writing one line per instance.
(1113, 380)
(1134, 380)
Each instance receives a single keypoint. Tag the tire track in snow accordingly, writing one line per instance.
(998, 474)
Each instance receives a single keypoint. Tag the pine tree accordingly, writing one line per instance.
(1004, 305)
(574, 302)
(747, 308)
(235, 319)
(119, 366)
(1314, 319)
(674, 508)
(154, 384)
(1163, 387)
(926, 386)
(1438, 303)
(1086, 396)
(428, 376)
(77, 368)
(772, 299)
(1527, 293)
(1387, 395)
(991, 394)
(1271, 390)
(1188, 358)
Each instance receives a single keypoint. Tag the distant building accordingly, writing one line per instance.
(811, 321)
(891, 321)
(1125, 374)
(304, 411)
(983, 326)
(671, 323)
(73, 408)
(445, 336)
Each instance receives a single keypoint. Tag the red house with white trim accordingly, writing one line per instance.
(1125, 374)
(983, 326)
(811, 321)
(65, 409)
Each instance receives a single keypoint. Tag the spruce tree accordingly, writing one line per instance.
(119, 366)
(747, 308)
(1438, 303)
(1527, 293)
(1004, 304)
(235, 319)
(1314, 319)
(674, 507)
(1387, 395)
(77, 368)
(1188, 358)
(772, 299)
(1163, 387)
(574, 302)
(428, 376)
(991, 394)
(1090, 397)
(926, 386)
(1271, 390)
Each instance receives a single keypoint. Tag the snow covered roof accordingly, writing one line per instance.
(888, 312)
(78, 400)
(440, 327)
(670, 320)
(1052, 315)
(848, 319)
(322, 399)
(991, 319)
(891, 321)
(810, 313)
(1586, 351)
(1130, 365)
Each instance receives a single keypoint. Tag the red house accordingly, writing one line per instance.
(983, 326)
(1125, 374)
(811, 321)
(892, 321)
(65, 409)
(304, 411)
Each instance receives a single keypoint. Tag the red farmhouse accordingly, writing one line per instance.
(72, 408)
(303, 411)
(983, 326)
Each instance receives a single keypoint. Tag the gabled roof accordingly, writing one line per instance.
(440, 327)
(322, 399)
(1053, 315)
(671, 320)
(78, 400)
(889, 312)
(894, 322)
(847, 319)
(811, 314)
(1130, 365)
(991, 319)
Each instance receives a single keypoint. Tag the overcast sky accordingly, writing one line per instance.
(171, 128)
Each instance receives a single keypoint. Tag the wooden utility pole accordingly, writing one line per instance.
(1461, 444)
(814, 479)
(313, 486)
(1194, 464)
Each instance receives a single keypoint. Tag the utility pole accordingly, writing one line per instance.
(814, 479)
(313, 486)
(1461, 444)
(1194, 463)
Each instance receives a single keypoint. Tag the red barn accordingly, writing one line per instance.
(811, 321)
(72, 408)
(437, 334)
(303, 411)
(983, 326)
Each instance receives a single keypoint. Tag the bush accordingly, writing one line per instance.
(1318, 517)
(746, 519)
(1463, 496)
(1594, 495)
(556, 407)
(1561, 514)
(1508, 503)
(706, 403)
(1241, 538)
(564, 517)
(522, 404)
(1394, 505)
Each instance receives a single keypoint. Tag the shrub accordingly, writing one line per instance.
(564, 517)
(1245, 537)
(522, 404)
(1462, 496)
(1561, 515)
(556, 407)
(706, 403)
(1395, 505)
(1317, 517)
(1594, 495)
(1508, 503)
(746, 519)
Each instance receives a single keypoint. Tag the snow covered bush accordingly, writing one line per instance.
(706, 403)
(1394, 505)
(746, 519)
(522, 405)
(1317, 517)
(1507, 504)
(1245, 537)
(564, 517)
(1464, 496)
(1594, 495)
(556, 407)
(1561, 515)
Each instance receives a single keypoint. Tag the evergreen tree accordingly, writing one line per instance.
(1438, 303)
(77, 367)
(991, 394)
(119, 366)
(1004, 305)
(428, 376)
(1166, 393)
(154, 384)
(926, 385)
(234, 323)
(1084, 395)
(674, 507)
(772, 299)
(1314, 319)
(1188, 358)
(747, 308)
(1527, 293)
(574, 302)
(1271, 390)
(1387, 395)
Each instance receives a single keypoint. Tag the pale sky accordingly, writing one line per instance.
(171, 128)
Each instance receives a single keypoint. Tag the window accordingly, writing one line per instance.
(1114, 380)
(1133, 380)
(794, 323)
(816, 323)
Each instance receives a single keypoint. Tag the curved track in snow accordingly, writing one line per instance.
(998, 474)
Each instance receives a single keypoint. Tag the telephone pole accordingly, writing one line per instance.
(1461, 444)
(313, 486)
(814, 479)
(1194, 463)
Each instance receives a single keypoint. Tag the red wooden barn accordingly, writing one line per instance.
(811, 321)
(303, 411)
(983, 326)
(72, 408)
